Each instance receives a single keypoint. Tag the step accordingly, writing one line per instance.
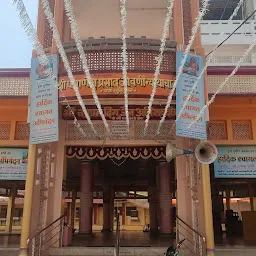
(140, 251)
(235, 251)
(9, 251)
(107, 251)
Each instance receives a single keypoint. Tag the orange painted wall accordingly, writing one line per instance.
(13, 109)
(13, 114)
(235, 115)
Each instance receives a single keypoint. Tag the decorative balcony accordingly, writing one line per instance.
(212, 29)
(105, 55)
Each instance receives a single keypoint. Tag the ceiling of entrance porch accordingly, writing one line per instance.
(106, 171)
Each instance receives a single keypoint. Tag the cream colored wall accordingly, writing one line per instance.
(144, 18)
(130, 224)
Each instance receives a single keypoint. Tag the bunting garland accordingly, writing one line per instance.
(42, 57)
(207, 64)
(195, 28)
(56, 36)
(125, 61)
(75, 31)
(159, 60)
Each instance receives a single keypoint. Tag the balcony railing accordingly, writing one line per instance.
(105, 55)
(232, 60)
(212, 29)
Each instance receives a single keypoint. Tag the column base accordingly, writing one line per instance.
(106, 230)
(154, 231)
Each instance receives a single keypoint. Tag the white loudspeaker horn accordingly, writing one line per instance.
(206, 152)
(172, 152)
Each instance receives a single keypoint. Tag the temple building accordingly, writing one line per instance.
(88, 184)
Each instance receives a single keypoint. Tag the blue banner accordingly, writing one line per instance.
(13, 163)
(235, 162)
(44, 102)
(192, 69)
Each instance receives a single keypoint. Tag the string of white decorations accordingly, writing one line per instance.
(125, 61)
(56, 36)
(206, 65)
(186, 52)
(234, 14)
(159, 60)
(42, 58)
(209, 102)
(75, 31)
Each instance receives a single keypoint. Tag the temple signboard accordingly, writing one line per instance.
(186, 125)
(117, 112)
(111, 84)
(44, 111)
(119, 129)
(13, 163)
(235, 162)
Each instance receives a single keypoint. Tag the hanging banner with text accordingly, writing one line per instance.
(13, 163)
(191, 70)
(44, 102)
(235, 162)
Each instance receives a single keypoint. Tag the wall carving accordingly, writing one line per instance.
(118, 153)
(238, 84)
(111, 61)
(14, 86)
(187, 20)
(217, 130)
(48, 31)
(22, 131)
(136, 131)
(5, 128)
(242, 130)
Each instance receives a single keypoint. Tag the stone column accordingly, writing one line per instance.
(165, 198)
(228, 199)
(251, 195)
(73, 209)
(152, 194)
(10, 210)
(106, 209)
(86, 198)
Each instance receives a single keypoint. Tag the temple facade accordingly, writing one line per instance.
(85, 179)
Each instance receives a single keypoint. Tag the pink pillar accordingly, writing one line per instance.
(152, 208)
(165, 198)
(86, 198)
(106, 209)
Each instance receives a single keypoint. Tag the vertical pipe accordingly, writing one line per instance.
(207, 200)
(28, 200)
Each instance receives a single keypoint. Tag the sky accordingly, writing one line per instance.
(15, 48)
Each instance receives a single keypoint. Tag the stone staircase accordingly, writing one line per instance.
(108, 251)
(141, 251)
